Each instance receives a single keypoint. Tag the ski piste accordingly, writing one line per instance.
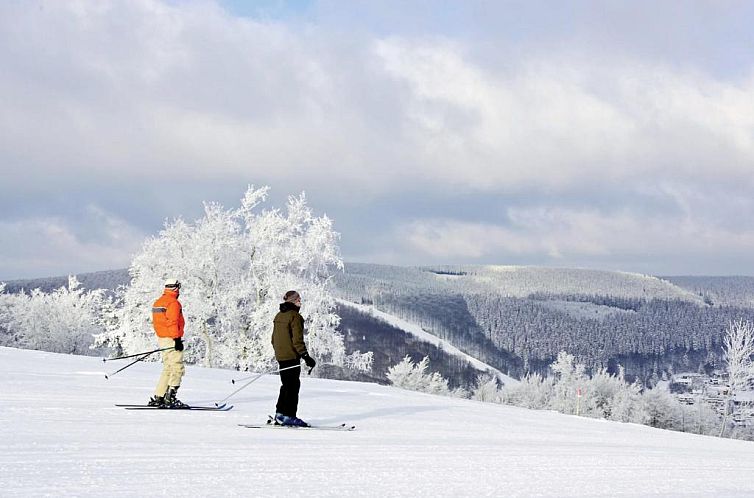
(220, 408)
(271, 424)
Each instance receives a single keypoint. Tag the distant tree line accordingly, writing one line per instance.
(623, 303)
(659, 329)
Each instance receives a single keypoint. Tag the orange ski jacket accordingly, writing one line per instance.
(167, 315)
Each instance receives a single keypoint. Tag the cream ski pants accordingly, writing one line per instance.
(172, 366)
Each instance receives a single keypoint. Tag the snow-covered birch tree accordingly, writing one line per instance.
(738, 349)
(234, 266)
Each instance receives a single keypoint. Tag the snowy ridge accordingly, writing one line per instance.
(521, 281)
(517, 281)
(62, 436)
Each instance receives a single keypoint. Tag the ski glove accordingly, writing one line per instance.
(178, 344)
(309, 361)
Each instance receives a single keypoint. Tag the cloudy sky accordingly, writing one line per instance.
(613, 135)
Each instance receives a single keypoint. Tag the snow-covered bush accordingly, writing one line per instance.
(663, 410)
(415, 377)
(487, 389)
(234, 266)
(608, 396)
(533, 391)
(571, 390)
(625, 403)
(611, 397)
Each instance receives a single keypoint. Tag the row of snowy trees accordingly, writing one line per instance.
(234, 266)
(569, 389)
(63, 320)
(415, 377)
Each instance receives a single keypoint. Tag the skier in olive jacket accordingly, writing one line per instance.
(289, 346)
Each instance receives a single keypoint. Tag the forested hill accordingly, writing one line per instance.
(517, 319)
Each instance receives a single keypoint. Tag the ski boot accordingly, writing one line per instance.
(171, 401)
(297, 422)
(281, 419)
(157, 401)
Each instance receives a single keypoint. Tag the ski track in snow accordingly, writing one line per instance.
(419, 333)
(60, 435)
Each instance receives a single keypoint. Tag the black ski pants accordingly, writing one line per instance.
(291, 383)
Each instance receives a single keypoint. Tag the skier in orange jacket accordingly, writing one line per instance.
(167, 319)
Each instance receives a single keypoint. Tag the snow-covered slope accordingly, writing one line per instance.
(60, 435)
(418, 332)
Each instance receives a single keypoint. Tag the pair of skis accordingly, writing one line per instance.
(272, 424)
(218, 408)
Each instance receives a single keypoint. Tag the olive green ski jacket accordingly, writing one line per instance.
(288, 333)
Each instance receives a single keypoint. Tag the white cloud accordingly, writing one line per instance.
(568, 237)
(182, 97)
(559, 122)
(134, 86)
(49, 246)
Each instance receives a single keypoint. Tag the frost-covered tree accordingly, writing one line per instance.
(738, 349)
(533, 391)
(700, 418)
(663, 410)
(486, 389)
(62, 321)
(7, 303)
(625, 404)
(234, 266)
(415, 377)
(570, 378)
(611, 397)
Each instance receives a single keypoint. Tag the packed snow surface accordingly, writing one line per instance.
(60, 435)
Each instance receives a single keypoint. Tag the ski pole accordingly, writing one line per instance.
(252, 380)
(255, 377)
(144, 355)
(135, 354)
